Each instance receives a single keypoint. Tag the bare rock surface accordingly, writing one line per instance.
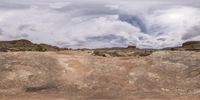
(79, 75)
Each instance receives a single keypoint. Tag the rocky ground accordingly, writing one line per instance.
(81, 75)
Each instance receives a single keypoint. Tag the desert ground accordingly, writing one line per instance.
(80, 75)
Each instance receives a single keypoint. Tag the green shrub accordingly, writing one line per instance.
(99, 53)
(40, 48)
(143, 53)
(3, 50)
(115, 54)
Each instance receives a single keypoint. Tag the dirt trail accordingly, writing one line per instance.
(78, 75)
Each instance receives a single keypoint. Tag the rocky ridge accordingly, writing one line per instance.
(25, 45)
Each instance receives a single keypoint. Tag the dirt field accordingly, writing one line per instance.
(78, 75)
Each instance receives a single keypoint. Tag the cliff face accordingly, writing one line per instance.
(163, 75)
(25, 45)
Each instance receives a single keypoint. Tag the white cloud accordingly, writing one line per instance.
(154, 24)
(172, 24)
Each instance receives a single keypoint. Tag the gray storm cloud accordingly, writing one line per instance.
(101, 23)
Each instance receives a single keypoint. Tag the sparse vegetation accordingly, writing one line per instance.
(122, 53)
(99, 53)
(105, 53)
(143, 53)
(25, 45)
(40, 48)
(2, 49)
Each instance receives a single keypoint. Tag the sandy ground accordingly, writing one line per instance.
(78, 75)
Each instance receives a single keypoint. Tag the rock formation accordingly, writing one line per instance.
(25, 45)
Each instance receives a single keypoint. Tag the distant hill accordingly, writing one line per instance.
(191, 45)
(25, 45)
(187, 46)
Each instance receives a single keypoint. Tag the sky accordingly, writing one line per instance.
(101, 23)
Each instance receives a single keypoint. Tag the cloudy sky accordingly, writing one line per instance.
(101, 23)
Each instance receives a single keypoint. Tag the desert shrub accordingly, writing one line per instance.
(106, 53)
(99, 53)
(3, 50)
(40, 48)
(143, 53)
(115, 54)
